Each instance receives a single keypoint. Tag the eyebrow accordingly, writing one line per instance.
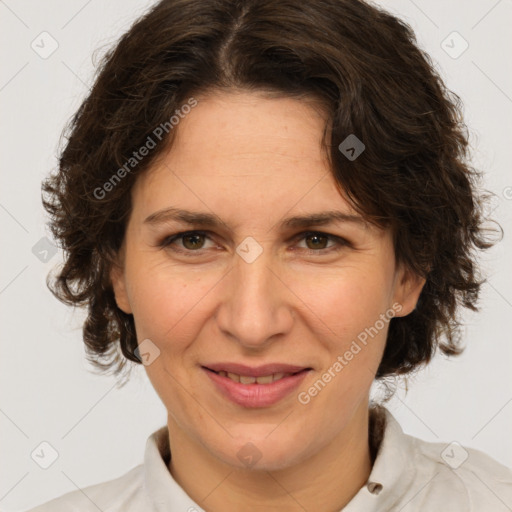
(209, 220)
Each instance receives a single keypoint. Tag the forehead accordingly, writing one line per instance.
(241, 129)
(259, 156)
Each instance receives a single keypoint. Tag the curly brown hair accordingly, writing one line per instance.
(365, 68)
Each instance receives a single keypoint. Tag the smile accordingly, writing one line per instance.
(246, 379)
(251, 391)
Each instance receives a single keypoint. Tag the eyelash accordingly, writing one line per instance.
(169, 240)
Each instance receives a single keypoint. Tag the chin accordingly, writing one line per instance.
(263, 452)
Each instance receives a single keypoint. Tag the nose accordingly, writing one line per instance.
(257, 305)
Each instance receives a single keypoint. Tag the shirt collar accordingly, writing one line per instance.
(392, 473)
(163, 491)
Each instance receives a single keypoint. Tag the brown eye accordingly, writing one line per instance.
(193, 242)
(189, 243)
(316, 241)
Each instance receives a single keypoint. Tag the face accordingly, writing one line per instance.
(256, 289)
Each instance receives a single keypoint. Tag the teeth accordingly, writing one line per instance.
(265, 379)
(234, 376)
(245, 379)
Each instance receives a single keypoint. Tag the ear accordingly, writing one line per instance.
(407, 290)
(117, 277)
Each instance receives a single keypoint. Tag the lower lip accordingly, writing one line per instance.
(256, 395)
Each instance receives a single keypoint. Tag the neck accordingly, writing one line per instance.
(326, 481)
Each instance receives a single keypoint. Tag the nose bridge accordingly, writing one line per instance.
(255, 309)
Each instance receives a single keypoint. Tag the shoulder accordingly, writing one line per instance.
(411, 474)
(460, 475)
(124, 493)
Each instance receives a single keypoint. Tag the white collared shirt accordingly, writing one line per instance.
(408, 475)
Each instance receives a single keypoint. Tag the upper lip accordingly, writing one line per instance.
(255, 371)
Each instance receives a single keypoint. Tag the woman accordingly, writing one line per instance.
(267, 204)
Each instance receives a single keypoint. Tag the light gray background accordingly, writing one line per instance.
(47, 391)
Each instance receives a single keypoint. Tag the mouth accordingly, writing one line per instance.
(250, 379)
(255, 387)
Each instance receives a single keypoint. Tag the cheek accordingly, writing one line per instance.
(344, 304)
(345, 315)
(169, 309)
(167, 303)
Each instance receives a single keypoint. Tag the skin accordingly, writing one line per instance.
(252, 161)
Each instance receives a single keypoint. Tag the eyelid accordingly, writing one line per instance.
(168, 240)
(335, 238)
(340, 241)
